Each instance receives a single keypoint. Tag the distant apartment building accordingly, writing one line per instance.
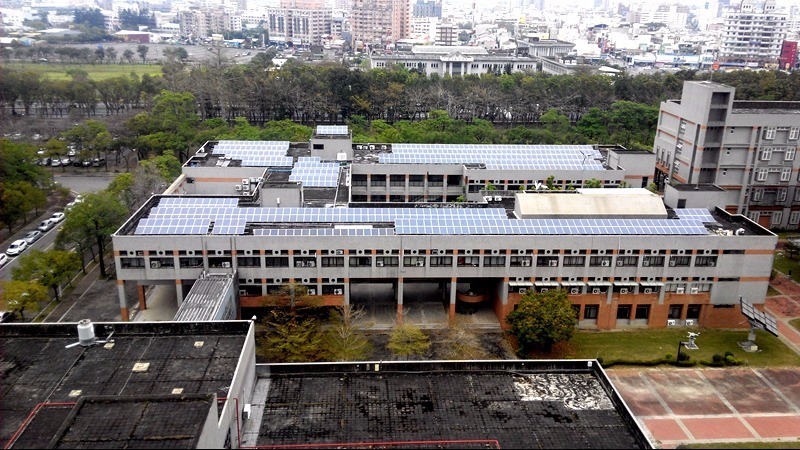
(376, 22)
(748, 148)
(201, 23)
(427, 8)
(446, 34)
(753, 36)
(671, 15)
(299, 26)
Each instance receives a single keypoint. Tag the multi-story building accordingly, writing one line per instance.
(427, 8)
(379, 22)
(201, 23)
(752, 37)
(457, 60)
(788, 59)
(271, 214)
(299, 26)
(746, 147)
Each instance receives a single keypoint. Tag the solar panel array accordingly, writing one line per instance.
(337, 130)
(701, 214)
(551, 226)
(312, 172)
(256, 153)
(759, 318)
(498, 157)
(199, 215)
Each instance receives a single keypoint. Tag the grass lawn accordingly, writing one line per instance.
(97, 72)
(795, 323)
(648, 345)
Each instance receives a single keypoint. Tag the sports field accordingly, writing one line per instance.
(97, 72)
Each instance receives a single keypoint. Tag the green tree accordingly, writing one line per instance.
(97, 216)
(792, 247)
(288, 338)
(541, 320)
(593, 183)
(127, 55)
(345, 339)
(92, 18)
(51, 268)
(652, 187)
(408, 340)
(167, 166)
(142, 50)
(19, 296)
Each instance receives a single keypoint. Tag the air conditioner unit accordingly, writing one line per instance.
(226, 264)
(155, 264)
(671, 322)
(312, 292)
(238, 187)
(672, 263)
(379, 263)
(420, 263)
(694, 290)
(711, 264)
(623, 290)
(245, 187)
(645, 263)
(242, 292)
(245, 181)
(488, 198)
(340, 252)
(552, 263)
(648, 290)
(679, 290)
(526, 263)
(620, 263)
(498, 198)
(544, 289)
(575, 291)
(689, 322)
(523, 290)
(595, 290)
(311, 264)
(338, 292)
(605, 263)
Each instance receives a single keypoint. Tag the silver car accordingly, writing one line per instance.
(32, 236)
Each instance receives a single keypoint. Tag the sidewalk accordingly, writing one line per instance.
(785, 307)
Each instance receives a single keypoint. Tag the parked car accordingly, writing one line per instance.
(97, 162)
(86, 163)
(17, 247)
(72, 152)
(72, 204)
(32, 236)
(4, 259)
(56, 162)
(7, 316)
(57, 217)
(65, 161)
(45, 225)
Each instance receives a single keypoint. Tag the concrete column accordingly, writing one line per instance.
(504, 292)
(142, 297)
(346, 291)
(400, 300)
(179, 292)
(123, 302)
(451, 312)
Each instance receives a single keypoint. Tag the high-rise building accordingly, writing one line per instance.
(379, 22)
(788, 55)
(427, 8)
(748, 148)
(753, 36)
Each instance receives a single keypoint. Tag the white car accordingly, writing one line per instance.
(32, 236)
(17, 247)
(57, 217)
(3, 259)
(46, 225)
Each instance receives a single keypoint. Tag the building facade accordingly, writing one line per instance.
(625, 260)
(753, 37)
(747, 147)
(301, 27)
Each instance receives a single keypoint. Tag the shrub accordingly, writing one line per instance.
(668, 357)
(717, 358)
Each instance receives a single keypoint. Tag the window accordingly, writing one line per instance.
(190, 262)
(413, 261)
(790, 152)
(590, 311)
(705, 261)
(623, 312)
(642, 312)
(777, 218)
(276, 261)
(360, 261)
(679, 261)
(416, 180)
(359, 180)
(653, 261)
(469, 261)
(494, 261)
(794, 132)
(574, 261)
(758, 194)
(761, 174)
(134, 263)
(781, 195)
(547, 261)
(786, 173)
(397, 180)
(521, 261)
(248, 261)
(332, 261)
(766, 154)
(794, 218)
(436, 180)
(387, 261)
(600, 261)
(441, 261)
(319, 146)
(675, 311)
(769, 132)
(627, 261)
(693, 311)
(377, 180)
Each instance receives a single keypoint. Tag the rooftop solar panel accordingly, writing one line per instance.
(700, 214)
(498, 157)
(337, 130)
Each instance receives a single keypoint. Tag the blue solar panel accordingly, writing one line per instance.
(701, 214)
(498, 157)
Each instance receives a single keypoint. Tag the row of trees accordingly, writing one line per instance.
(74, 55)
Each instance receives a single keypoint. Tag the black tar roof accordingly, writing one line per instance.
(479, 404)
(54, 390)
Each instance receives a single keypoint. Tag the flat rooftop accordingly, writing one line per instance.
(80, 396)
(178, 215)
(477, 404)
